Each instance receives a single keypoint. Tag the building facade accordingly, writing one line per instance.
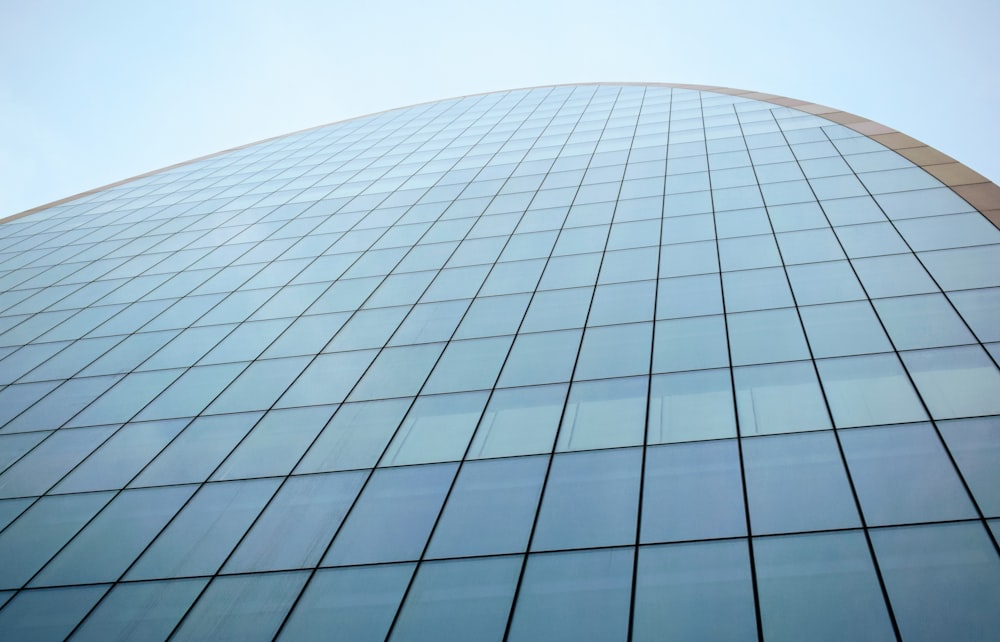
(608, 362)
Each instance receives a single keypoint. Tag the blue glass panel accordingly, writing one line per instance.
(203, 534)
(604, 414)
(103, 550)
(46, 464)
(397, 372)
(437, 428)
(140, 610)
(275, 444)
(692, 491)
(546, 357)
(975, 445)
(781, 397)
(47, 614)
(393, 516)
(459, 600)
(869, 390)
(697, 591)
(198, 450)
(690, 406)
(41, 531)
(819, 585)
(903, 475)
(297, 526)
(797, 483)
(614, 351)
(248, 607)
(574, 596)
(358, 603)
(590, 499)
(943, 580)
(355, 437)
(955, 382)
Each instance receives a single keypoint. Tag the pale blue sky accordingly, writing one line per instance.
(99, 90)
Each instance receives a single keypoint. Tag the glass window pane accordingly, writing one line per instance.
(491, 509)
(115, 538)
(955, 382)
(118, 460)
(393, 516)
(125, 399)
(748, 252)
(519, 421)
(259, 386)
(963, 268)
(574, 596)
(975, 445)
(198, 450)
(782, 397)
(766, 336)
(604, 414)
(591, 499)
(614, 351)
(41, 531)
(493, 316)
(397, 372)
(690, 406)
(943, 580)
(545, 357)
(245, 342)
(275, 444)
(37, 471)
(871, 239)
(140, 611)
(692, 491)
(896, 275)
(809, 246)
(840, 329)
(558, 310)
(358, 603)
(459, 600)
(368, 329)
(869, 390)
(203, 534)
(903, 475)
(700, 591)
(797, 483)
(328, 379)
(829, 282)
(355, 437)
(192, 391)
(756, 290)
(297, 526)
(429, 322)
(306, 335)
(639, 264)
(469, 365)
(62, 403)
(47, 614)
(623, 303)
(247, 607)
(689, 296)
(690, 344)
(922, 322)
(819, 585)
(437, 428)
(980, 309)
(686, 259)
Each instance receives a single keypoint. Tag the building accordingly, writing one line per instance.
(312, 387)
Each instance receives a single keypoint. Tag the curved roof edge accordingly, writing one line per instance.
(976, 189)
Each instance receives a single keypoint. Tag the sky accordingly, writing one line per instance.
(96, 91)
